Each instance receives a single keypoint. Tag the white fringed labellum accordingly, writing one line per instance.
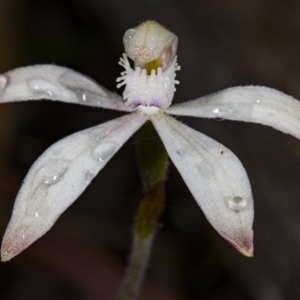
(150, 86)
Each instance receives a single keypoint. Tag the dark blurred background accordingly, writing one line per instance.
(221, 44)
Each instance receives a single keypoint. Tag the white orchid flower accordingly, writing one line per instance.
(214, 175)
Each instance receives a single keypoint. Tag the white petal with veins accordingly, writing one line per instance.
(59, 176)
(255, 104)
(215, 177)
(56, 83)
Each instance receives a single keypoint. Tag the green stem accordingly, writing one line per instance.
(152, 161)
(136, 268)
(152, 157)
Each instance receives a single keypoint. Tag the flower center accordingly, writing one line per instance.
(150, 85)
(153, 65)
(155, 90)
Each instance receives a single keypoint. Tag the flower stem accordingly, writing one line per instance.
(152, 157)
(149, 211)
(152, 160)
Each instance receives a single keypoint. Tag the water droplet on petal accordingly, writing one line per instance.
(37, 204)
(55, 174)
(3, 82)
(86, 90)
(98, 133)
(272, 112)
(89, 175)
(181, 152)
(86, 96)
(237, 203)
(129, 34)
(41, 87)
(104, 151)
(217, 111)
(50, 174)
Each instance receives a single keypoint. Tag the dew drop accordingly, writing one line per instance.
(55, 174)
(86, 90)
(49, 175)
(221, 112)
(3, 82)
(181, 152)
(104, 151)
(54, 171)
(217, 112)
(128, 35)
(37, 205)
(87, 97)
(237, 203)
(272, 112)
(98, 133)
(41, 87)
(89, 175)
(83, 96)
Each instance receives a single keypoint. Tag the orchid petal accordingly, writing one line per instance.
(59, 176)
(255, 104)
(215, 177)
(56, 83)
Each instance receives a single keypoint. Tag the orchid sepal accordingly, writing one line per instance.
(215, 177)
(56, 83)
(59, 176)
(255, 104)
